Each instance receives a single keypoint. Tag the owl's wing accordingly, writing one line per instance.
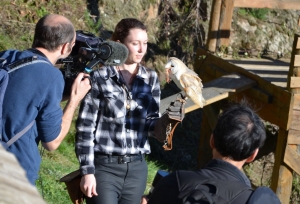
(193, 88)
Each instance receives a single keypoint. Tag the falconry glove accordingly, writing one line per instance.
(165, 126)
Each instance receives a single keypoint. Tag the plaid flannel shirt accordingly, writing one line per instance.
(104, 124)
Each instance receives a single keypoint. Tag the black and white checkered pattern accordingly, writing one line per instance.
(103, 123)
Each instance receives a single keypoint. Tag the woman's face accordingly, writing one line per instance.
(136, 42)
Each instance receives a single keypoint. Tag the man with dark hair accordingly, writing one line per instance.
(35, 91)
(236, 139)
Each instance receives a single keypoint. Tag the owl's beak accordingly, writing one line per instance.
(167, 72)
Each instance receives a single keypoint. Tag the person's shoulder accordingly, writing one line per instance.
(10, 55)
(103, 72)
(263, 195)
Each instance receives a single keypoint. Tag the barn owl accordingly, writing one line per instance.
(186, 79)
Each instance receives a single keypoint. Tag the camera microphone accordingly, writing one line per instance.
(108, 53)
(89, 51)
(119, 53)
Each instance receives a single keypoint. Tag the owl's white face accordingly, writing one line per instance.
(171, 70)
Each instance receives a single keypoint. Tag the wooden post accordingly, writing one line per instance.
(209, 121)
(225, 23)
(294, 67)
(282, 176)
(214, 25)
(284, 162)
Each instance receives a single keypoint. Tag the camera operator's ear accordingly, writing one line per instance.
(65, 48)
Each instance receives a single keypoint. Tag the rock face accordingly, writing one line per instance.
(273, 35)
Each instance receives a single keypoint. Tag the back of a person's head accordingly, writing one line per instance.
(51, 31)
(239, 132)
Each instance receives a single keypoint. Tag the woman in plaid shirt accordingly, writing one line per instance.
(114, 122)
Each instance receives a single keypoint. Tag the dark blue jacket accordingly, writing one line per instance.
(167, 189)
(34, 92)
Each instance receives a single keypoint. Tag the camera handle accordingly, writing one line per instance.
(89, 67)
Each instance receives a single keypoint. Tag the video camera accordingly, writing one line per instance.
(89, 51)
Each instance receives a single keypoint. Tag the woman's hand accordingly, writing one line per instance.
(144, 199)
(88, 185)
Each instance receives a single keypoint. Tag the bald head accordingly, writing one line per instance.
(51, 31)
(53, 19)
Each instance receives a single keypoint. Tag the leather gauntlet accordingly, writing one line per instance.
(166, 124)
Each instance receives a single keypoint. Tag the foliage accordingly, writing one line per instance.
(256, 13)
(295, 198)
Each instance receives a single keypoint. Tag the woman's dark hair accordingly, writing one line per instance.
(51, 35)
(124, 26)
(239, 131)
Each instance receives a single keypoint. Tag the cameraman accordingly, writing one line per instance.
(35, 91)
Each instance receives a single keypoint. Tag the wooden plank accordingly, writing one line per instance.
(294, 137)
(296, 105)
(213, 26)
(268, 111)
(212, 60)
(282, 176)
(209, 121)
(297, 61)
(294, 71)
(272, 4)
(298, 42)
(213, 67)
(274, 71)
(285, 181)
(215, 90)
(295, 82)
(225, 23)
(216, 66)
(295, 120)
(292, 158)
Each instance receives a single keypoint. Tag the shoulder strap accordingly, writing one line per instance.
(10, 68)
(24, 62)
(18, 135)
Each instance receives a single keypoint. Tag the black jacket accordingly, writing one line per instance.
(167, 190)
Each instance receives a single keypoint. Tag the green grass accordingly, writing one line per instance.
(260, 13)
(61, 162)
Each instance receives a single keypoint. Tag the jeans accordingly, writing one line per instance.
(119, 183)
